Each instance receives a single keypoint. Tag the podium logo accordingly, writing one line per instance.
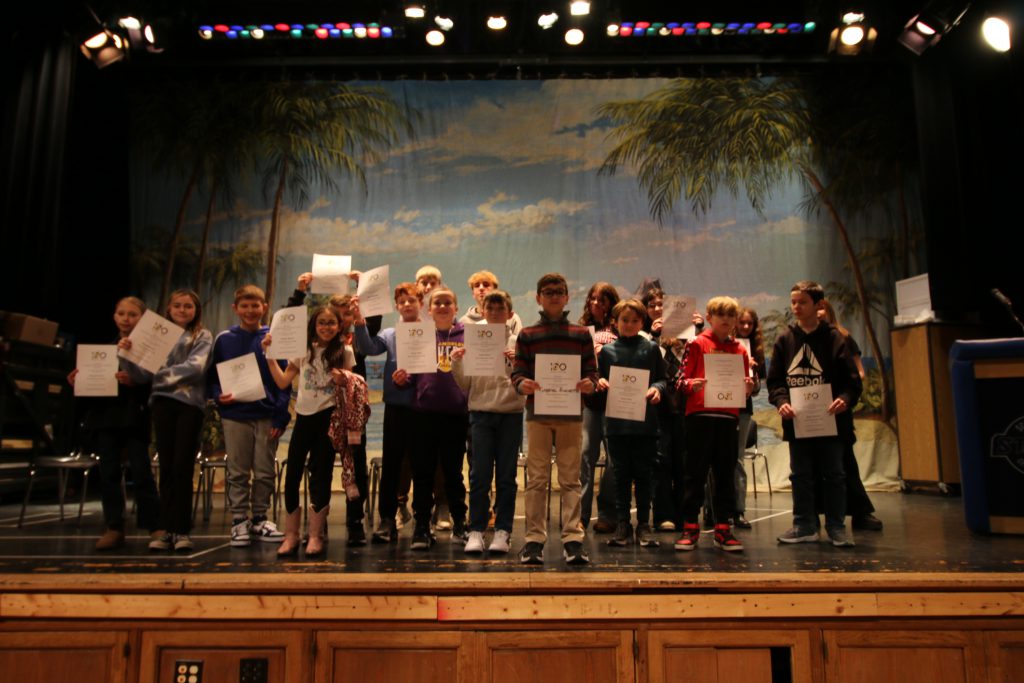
(1010, 445)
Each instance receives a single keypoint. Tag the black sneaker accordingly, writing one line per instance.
(742, 522)
(867, 522)
(356, 535)
(422, 539)
(460, 534)
(386, 532)
(623, 535)
(574, 553)
(644, 539)
(532, 553)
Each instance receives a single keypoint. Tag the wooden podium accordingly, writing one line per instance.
(924, 402)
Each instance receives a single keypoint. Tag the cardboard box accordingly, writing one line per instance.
(28, 328)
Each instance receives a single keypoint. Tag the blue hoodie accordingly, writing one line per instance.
(235, 342)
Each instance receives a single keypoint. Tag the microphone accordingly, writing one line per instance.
(1007, 304)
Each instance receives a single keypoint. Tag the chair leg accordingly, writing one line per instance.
(62, 487)
(199, 493)
(28, 494)
(211, 480)
(81, 500)
(753, 475)
(767, 474)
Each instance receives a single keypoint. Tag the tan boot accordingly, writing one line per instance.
(317, 525)
(290, 545)
(111, 538)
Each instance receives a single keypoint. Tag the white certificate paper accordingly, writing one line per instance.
(330, 274)
(241, 378)
(97, 365)
(374, 290)
(677, 317)
(725, 387)
(288, 334)
(485, 350)
(416, 347)
(557, 376)
(152, 340)
(811, 404)
(627, 393)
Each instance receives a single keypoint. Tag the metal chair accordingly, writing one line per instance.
(64, 464)
(376, 466)
(208, 466)
(751, 454)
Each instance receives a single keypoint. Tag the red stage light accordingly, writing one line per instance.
(702, 25)
(764, 24)
(321, 33)
(221, 28)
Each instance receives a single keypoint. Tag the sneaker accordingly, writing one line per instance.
(386, 532)
(840, 539)
(263, 530)
(475, 543)
(725, 540)
(183, 542)
(459, 532)
(501, 543)
(644, 539)
(356, 535)
(667, 525)
(623, 535)
(574, 553)
(867, 522)
(241, 533)
(403, 516)
(162, 540)
(422, 539)
(742, 522)
(603, 526)
(441, 521)
(689, 539)
(532, 553)
(111, 538)
(795, 535)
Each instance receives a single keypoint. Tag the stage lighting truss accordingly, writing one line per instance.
(341, 30)
(658, 29)
(926, 28)
(853, 36)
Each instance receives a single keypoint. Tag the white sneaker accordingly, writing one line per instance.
(183, 542)
(162, 542)
(240, 533)
(267, 532)
(501, 543)
(475, 544)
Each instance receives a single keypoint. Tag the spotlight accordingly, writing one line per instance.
(435, 38)
(852, 37)
(574, 36)
(444, 23)
(140, 35)
(546, 21)
(996, 32)
(415, 10)
(934, 21)
(496, 23)
(579, 8)
(104, 48)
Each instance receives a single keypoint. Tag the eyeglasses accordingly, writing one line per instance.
(552, 293)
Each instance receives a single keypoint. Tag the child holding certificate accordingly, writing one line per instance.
(632, 444)
(715, 389)
(318, 371)
(178, 402)
(813, 358)
(121, 425)
(496, 426)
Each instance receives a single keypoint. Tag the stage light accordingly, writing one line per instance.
(140, 35)
(613, 30)
(435, 38)
(996, 32)
(934, 21)
(546, 21)
(496, 23)
(574, 36)
(579, 8)
(206, 32)
(852, 37)
(415, 11)
(104, 48)
(444, 23)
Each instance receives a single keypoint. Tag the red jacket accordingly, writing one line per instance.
(693, 368)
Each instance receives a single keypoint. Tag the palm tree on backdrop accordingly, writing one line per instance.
(232, 265)
(694, 137)
(310, 132)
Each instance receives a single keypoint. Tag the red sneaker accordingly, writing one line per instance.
(688, 541)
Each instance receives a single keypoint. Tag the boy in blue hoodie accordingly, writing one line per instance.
(251, 429)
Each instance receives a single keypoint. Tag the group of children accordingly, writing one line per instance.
(430, 417)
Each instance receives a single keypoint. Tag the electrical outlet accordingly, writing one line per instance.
(253, 671)
(188, 671)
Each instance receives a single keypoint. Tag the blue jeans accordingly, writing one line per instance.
(633, 456)
(811, 461)
(496, 440)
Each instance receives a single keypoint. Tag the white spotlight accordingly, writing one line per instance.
(574, 36)
(444, 23)
(852, 35)
(435, 38)
(496, 23)
(546, 21)
(996, 33)
(415, 11)
(579, 8)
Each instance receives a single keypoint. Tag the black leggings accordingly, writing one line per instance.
(310, 436)
(177, 426)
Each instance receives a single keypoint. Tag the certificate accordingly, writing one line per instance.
(152, 340)
(485, 350)
(811, 404)
(557, 376)
(677, 317)
(416, 347)
(725, 387)
(97, 365)
(288, 334)
(374, 290)
(330, 274)
(627, 393)
(241, 378)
